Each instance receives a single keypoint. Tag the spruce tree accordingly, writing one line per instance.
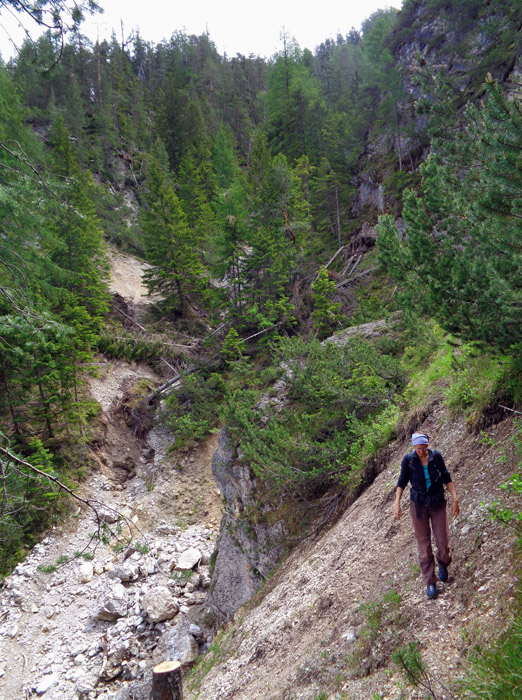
(177, 273)
(461, 261)
(79, 246)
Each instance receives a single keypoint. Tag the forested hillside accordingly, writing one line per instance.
(277, 203)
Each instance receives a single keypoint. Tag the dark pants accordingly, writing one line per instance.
(439, 524)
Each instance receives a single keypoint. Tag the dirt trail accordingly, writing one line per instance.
(43, 617)
(309, 634)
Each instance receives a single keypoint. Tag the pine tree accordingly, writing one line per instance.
(230, 206)
(294, 104)
(326, 314)
(277, 225)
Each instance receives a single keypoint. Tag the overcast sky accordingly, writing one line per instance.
(235, 26)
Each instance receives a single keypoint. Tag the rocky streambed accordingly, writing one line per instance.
(114, 590)
(99, 602)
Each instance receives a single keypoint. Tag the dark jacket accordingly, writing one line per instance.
(413, 471)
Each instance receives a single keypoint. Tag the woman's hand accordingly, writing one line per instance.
(455, 508)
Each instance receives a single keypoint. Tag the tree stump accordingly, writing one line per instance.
(166, 681)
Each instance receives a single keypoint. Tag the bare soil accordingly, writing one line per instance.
(331, 616)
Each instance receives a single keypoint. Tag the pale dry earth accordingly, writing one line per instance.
(307, 634)
(126, 277)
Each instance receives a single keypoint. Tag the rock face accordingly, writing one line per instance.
(178, 644)
(246, 552)
(374, 329)
(434, 39)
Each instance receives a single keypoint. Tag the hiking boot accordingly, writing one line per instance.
(443, 573)
(431, 591)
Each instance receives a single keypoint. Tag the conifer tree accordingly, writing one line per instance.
(230, 206)
(177, 273)
(277, 224)
(79, 237)
(461, 261)
(295, 107)
(326, 313)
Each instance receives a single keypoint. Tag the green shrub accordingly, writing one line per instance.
(28, 505)
(338, 409)
(495, 670)
(125, 346)
(192, 411)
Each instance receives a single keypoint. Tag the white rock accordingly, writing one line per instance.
(85, 686)
(350, 636)
(11, 631)
(23, 570)
(86, 572)
(150, 567)
(47, 683)
(178, 645)
(188, 559)
(79, 649)
(159, 604)
(112, 603)
(129, 571)
(107, 515)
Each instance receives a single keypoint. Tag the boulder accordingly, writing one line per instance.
(47, 683)
(159, 604)
(112, 603)
(129, 571)
(188, 559)
(106, 514)
(86, 572)
(177, 644)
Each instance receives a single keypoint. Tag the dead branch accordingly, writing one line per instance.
(506, 408)
(355, 265)
(131, 319)
(349, 280)
(91, 504)
(168, 365)
(152, 397)
(331, 260)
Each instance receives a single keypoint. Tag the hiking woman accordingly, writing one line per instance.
(426, 471)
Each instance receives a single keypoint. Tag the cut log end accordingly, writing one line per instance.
(166, 681)
(166, 667)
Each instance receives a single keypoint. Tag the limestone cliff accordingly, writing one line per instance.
(247, 549)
